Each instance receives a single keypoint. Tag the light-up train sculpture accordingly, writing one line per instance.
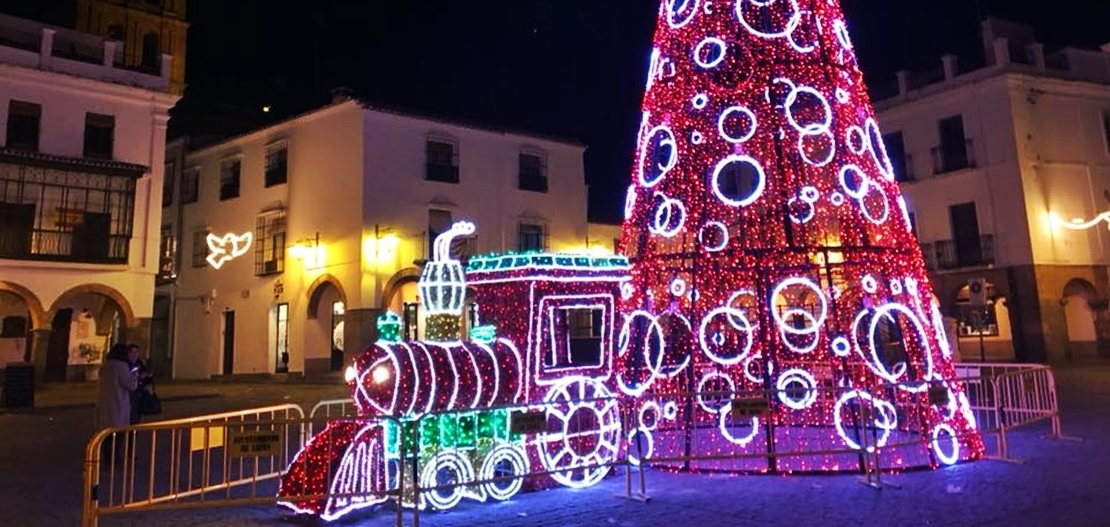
(521, 355)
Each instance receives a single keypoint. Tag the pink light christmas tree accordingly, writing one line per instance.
(773, 256)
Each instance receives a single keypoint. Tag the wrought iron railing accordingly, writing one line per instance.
(945, 255)
(63, 246)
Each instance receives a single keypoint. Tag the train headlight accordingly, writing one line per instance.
(381, 374)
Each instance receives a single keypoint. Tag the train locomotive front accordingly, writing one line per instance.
(440, 412)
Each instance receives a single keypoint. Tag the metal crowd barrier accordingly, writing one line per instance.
(435, 460)
(1007, 396)
(184, 463)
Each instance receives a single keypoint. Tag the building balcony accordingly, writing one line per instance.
(39, 46)
(954, 158)
(946, 255)
(63, 246)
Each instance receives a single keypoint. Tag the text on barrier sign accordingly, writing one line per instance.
(526, 423)
(253, 443)
(748, 407)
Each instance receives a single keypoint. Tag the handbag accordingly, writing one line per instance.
(149, 403)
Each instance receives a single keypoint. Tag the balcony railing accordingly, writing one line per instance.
(944, 255)
(954, 158)
(60, 246)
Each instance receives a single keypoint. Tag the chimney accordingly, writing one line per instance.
(341, 95)
(951, 64)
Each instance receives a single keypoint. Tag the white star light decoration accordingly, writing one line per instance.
(223, 249)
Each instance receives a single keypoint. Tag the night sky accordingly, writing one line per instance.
(572, 68)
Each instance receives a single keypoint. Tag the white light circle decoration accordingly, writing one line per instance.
(842, 96)
(634, 446)
(878, 149)
(739, 322)
(442, 499)
(715, 377)
(853, 170)
(659, 137)
(649, 415)
(788, 28)
(678, 287)
(761, 184)
(630, 202)
(736, 440)
(836, 198)
(696, 137)
(811, 128)
(804, 217)
(722, 236)
(700, 100)
(857, 142)
(624, 346)
(951, 456)
(709, 53)
(895, 287)
(869, 283)
(841, 347)
(876, 363)
(881, 217)
(815, 320)
(886, 419)
(670, 410)
(802, 378)
(680, 12)
(669, 218)
(517, 460)
(823, 153)
(728, 113)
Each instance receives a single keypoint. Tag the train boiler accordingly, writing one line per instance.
(539, 336)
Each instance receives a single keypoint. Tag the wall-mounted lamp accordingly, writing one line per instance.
(1078, 224)
(309, 251)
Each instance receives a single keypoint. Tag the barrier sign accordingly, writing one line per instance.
(749, 407)
(205, 437)
(253, 443)
(526, 423)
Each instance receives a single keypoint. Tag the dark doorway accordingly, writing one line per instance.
(965, 234)
(953, 145)
(229, 342)
(57, 349)
(90, 238)
(337, 359)
(159, 354)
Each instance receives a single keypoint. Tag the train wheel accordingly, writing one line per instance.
(445, 477)
(583, 435)
(505, 461)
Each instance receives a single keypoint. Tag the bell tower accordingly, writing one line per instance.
(146, 28)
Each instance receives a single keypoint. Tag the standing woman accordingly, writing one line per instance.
(144, 379)
(117, 381)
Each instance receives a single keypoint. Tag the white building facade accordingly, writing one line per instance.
(1006, 170)
(80, 166)
(339, 207)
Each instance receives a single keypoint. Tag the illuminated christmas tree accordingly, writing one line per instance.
(773, 256)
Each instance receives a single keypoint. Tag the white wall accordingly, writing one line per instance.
(993, 186)
(140, 119)
(351, 170)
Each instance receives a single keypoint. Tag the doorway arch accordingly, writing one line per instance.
(324, 326)
(1078, 301)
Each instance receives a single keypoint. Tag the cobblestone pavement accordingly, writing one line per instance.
(1062, 483)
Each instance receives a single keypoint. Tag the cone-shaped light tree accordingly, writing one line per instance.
(773, 254)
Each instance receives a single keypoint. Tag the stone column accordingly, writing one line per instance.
(37, 343)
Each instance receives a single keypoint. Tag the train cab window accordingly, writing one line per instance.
(576, 336)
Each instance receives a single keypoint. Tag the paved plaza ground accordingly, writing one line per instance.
(1062, 483)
